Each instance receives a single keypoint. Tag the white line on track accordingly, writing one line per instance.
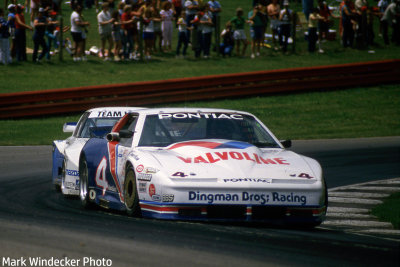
(358, 200)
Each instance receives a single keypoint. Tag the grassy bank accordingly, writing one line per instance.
(351, 113)
(389, 211)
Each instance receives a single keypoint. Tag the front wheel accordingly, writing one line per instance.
(131, 197)
(84, 194)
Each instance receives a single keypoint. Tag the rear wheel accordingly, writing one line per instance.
(84, 194)
(131, 197)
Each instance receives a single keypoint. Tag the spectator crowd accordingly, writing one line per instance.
(133, 29)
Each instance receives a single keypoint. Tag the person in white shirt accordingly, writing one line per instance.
(105, 28)
(78, 32)
(167, 15)
(391, 17)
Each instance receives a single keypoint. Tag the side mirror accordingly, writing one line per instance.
(286, 143)
(69, 127)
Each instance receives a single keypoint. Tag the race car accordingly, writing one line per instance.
(200, 164)
(93, 123)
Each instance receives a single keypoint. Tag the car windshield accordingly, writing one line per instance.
(165, 129)
(97, 127)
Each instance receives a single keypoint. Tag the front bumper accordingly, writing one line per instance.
(236, 213)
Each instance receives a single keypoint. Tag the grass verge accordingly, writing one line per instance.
(389, 211)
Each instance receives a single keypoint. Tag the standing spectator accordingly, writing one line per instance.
(39, 24)
(182, 35)
(11, 19)
(382, 5)
(157, 29)
(274, 10)
(391, 17)
(116, 34)
(191, 8)
(238, 23)
(347, 24)
(167, 15)
(215, 8)
(207, 28)
(5, 56)
(128, 27)
(228, 41)
(256, 19)
(313, 20)
(78, 32)
(285, 17)
(52, 31)
(372, 12)
(20, 34)
(148, 32)
(105, 28)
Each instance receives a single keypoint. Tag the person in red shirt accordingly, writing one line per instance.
(128, 25)
(20, 34)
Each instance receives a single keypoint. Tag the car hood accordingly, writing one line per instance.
(224, 159)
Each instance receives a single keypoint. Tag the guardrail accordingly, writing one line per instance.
(51, 102)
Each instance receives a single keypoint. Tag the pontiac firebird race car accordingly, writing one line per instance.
(200, 164)
(93, 123)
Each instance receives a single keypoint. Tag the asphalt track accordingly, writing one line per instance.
(35, 221)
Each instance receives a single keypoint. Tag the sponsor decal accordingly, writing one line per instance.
(152, 190)
(205, 115)
(72, 172)
(258, 198)
(168, 198)
(156, 198)
(140, 168)
(252, 180)
(111, 113)
(144, 177)
(212, 145)
(213, 157)
(150, 170)
(142, 187)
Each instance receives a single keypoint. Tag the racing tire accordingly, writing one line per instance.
(131, 197)
(62, 186)
(84, 184)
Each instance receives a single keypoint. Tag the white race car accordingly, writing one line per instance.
(93, 123)
(200, 164)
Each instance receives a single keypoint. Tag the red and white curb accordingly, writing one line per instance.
(350, 208)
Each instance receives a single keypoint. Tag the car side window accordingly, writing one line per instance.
(81, 123)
